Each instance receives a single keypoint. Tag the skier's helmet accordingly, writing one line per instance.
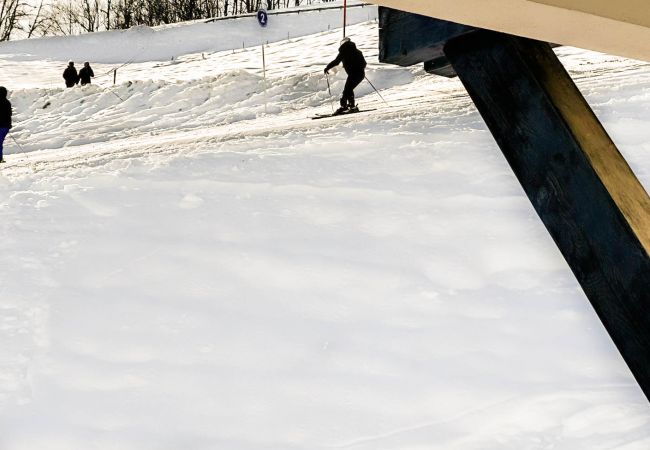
(345, 40)
(71, 63)
(3, 92)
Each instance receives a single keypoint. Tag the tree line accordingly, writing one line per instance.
(19, 19)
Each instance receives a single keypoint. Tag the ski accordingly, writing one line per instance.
(325, 116)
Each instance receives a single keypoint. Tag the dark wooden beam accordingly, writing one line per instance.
(580, 185)
(406, 39)
(440, 66)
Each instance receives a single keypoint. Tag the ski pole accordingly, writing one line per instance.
(112, 92)
(327, 77)
(373, 86)
(22, 150)
(20, 147)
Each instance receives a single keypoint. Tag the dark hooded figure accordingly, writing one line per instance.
(354, 64)
(86, 73)
(5, 118)
(70, 75)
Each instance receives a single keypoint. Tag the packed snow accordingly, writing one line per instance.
(190, 262)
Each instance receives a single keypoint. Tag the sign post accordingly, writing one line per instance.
(345, 15)
(263, 20)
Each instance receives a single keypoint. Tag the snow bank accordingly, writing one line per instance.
(142, 43)
(55, 118)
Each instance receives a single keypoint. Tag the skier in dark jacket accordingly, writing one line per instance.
(354, 64)
(70, 75)
(5, 118)
(86, 73)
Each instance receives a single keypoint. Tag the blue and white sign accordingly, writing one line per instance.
(263, 17)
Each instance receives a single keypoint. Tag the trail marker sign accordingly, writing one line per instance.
(262, 17)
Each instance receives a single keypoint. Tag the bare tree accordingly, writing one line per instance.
(88, 15)
(38, 22)
(11, 13)
(210, 8)
(123, 12)
(186, 10)
(62, 18)
(67, 17)
(106, 12)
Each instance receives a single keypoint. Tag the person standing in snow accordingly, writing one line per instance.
(70, 75)
(86, 73)
(354, 64)
(5, 118)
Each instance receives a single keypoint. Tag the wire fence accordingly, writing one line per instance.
(113, 71)
(290, 11)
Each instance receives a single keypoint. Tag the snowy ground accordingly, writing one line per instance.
(190, 262)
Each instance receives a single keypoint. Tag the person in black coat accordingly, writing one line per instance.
(5, 118)
(70, 75)
(355, 65)
(86, 73)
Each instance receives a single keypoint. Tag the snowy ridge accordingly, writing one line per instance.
(192, 263)
(51, 119)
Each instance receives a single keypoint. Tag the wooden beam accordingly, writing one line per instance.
(440, 66)
(619, 27)
(406, 39)
(580, 185)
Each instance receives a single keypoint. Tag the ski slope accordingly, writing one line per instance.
(190, 262)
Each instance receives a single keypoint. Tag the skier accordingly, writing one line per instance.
(86, 74)
(5, 118)
(70, 75)
(354, 64)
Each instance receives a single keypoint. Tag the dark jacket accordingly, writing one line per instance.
(353, 61)
(85, 74)
(70, 76)
(5, 110)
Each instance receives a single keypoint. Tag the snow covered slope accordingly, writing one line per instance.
(190, 262)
